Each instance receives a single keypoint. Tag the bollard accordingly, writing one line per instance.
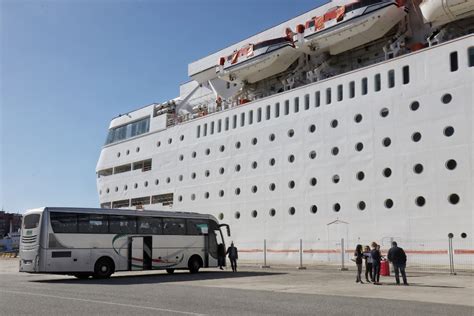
(265, 266)
(451, 254)
(301, 256)
(343, 268)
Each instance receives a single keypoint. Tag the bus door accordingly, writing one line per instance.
(140, 252)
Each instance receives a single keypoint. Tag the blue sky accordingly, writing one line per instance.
(67, 67)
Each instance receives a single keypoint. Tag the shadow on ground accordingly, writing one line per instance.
(160, 278)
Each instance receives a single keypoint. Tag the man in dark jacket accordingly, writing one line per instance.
(376, 257)
(233, 256)
(398, 258)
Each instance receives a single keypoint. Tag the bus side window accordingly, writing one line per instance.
(150, 225)
(92, 223)
(174, 226)
(197, 227)
(63, 222)
(119, 224)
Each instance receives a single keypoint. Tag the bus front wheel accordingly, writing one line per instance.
(103, 268)
(170, 271)
(194, 264)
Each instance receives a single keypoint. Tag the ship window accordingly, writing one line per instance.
(242, 119)
(129, 130)
(287, 107)
(448, 131)
(272, 212)
(351, 89)
(105, 205)
(212, 127)
(414, 105)
(328, 96)
(226, 123)
(418, 168)
(259, 114)
(358, 118)
(470, 56)
(277, 110)
(291, 211)
(313, 181)
(237, 191)
(391, 78)
(105, 172)
(377, 83)
(360, 175)
(359, 146)
(297, 104)
(339, 93)
(317, 99)
(420, 201)
(205, 130)
(388, 203)
(312, 154)
(250, 117)
(453, 58)
(364, 86)
(272, 187)
(406, 74)
(237, 215)
(386, 141)
(198, 131)
(416, 137)
(454, 198)
(312, 128)
(313, 209)
(271, 137)
(254, 213)
(451, 164)
(387, 172)
(336, 207)
(234, 121)
(336, 178)
(268, 112)
(219, 125)
(306, 101)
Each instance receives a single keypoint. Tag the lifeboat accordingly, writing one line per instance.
(255, 62)
(440, 12)
(345, 27)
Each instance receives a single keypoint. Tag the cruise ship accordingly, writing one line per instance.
(347, 124)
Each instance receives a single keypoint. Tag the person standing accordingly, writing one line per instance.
(221, 255)
(398, 258)
(368, 264)
(358, 260)
(233, 256)
(376, 257)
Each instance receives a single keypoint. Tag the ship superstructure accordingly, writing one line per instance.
(352, 121)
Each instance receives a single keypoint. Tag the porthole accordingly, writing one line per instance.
(237, 145)
(336, 207)
(138, 149)
(116, 189)
(193, 154)
(335, 151)
(334, 123)
(313, 209)
(359, 146)
(415, 105)
(272, 186)
(208, 151)
(181, 157)
(312, 128)
(168, 180)
(272, 212)
(237, 168)
(254, 165)
(254, 141)
(313, 181)
(312, 154)
(125, 187)
(222, 148)
(237, 191)
(336, 178)
(451, 164)
(180, 177)
(118, 155)
(193, 175)
(291, 184)
(446, 98)
(454, 198)
(135, 185)
(127, 152)
(272, 161)
(221, 216)
(221, 193)
(254, 213)
(254, 189)
(206, 195)
(158, 144)
(181, 138)
(360, 175)
(170, 140)
(291, 158)
(361, 205)
(291, 211)
(145, 184)
(387, 141)
(207, 173)
(180, 198)
(388, 203)
(237, 215)
(387, 172)
(416, 137)
(271, 137)
(157, 181)
(358, 118)
(418, 168)
(291, 133)
(463, 235)
(384, 112)
(221, 170)
(448, 131)
(420, 201)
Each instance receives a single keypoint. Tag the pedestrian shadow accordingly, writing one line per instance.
(160, 277)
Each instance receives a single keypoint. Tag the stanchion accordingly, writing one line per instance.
(265, 266)
(343, 268)
(301, 256)
(451, 254)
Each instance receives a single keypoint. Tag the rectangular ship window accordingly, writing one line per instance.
(377, 82)
(391, 78)
(259, 114)
(242, 119)
(198, 131)
(250, 117)
(406, 74)
(212, 127)
(165, 199)
(227, 123)
(306, 101)
(364, 86)
(453, 58)
(123, 168)
(121, 203)
(219, 125)
(287, 107)
(317, 99)
(328, 96)
(470, 56)
(268, 112)
(234, 122)
(339, 93)
(351, 89)
(297, 104)
(140, 201)
(105, 205)
(277, 109)
(105, 172)
(205, 130)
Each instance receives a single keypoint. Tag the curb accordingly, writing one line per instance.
(8, 254)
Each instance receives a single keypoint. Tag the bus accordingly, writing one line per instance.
(88, 242)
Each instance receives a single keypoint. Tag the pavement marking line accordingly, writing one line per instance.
(103, 302)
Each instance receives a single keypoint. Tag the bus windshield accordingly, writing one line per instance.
(31, 221)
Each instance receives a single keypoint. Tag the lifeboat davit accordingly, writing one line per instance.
(345, 27)
(255, 62)
(440, 12)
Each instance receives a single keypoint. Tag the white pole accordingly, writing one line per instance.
(301, 256)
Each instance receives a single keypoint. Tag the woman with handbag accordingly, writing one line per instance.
(358, 255)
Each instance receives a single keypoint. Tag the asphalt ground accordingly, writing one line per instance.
(251, 291)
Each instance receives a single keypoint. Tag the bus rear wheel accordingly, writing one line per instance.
(103, 268)
(82, 276)
(194, 264)
(170, 271)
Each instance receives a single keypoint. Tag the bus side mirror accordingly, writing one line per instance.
(227, 228)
